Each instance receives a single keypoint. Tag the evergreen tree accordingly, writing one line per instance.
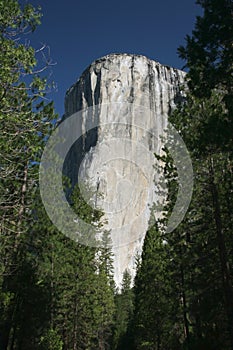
(25, 119)
(197, 256)
(209, 54)
(155, 302)
(124, 314)
(208, 51)
(79, 280)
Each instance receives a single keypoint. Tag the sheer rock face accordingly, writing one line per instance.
(130, 98)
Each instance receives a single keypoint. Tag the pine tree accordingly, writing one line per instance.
(197, 256)
(210, 246)
(155, 301)
(208, 54)
(124, 314)
(208, 51)
(25, 119)
(79, 282)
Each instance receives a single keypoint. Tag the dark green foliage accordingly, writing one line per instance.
(51, 341)
(25, 118)
(208, 51)
(209, 55)
(183, 287)
(55, 294)
(124, 315)
(79, 281)
(157, 297)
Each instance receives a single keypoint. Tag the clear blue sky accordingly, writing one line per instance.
(78, 32)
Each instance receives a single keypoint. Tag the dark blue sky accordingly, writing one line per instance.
(78, 32)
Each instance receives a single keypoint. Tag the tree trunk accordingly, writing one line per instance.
(226, 277)
(186, 323)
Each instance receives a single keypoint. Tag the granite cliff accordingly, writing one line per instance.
(130, 97)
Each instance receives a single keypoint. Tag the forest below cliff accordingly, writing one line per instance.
(56, 294)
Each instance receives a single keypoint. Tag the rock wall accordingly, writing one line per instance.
(130, 97)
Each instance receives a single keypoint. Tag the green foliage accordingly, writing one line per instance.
(25, 119)
(183, 287)
(209, 55)
(124, 313)
(208, 52)
(78, 280)
(157, 307)
(22, 112)
(51, 341)
(14, 19)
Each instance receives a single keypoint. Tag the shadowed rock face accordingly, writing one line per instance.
(130, 98)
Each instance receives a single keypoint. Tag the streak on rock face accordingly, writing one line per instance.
(126, 90)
